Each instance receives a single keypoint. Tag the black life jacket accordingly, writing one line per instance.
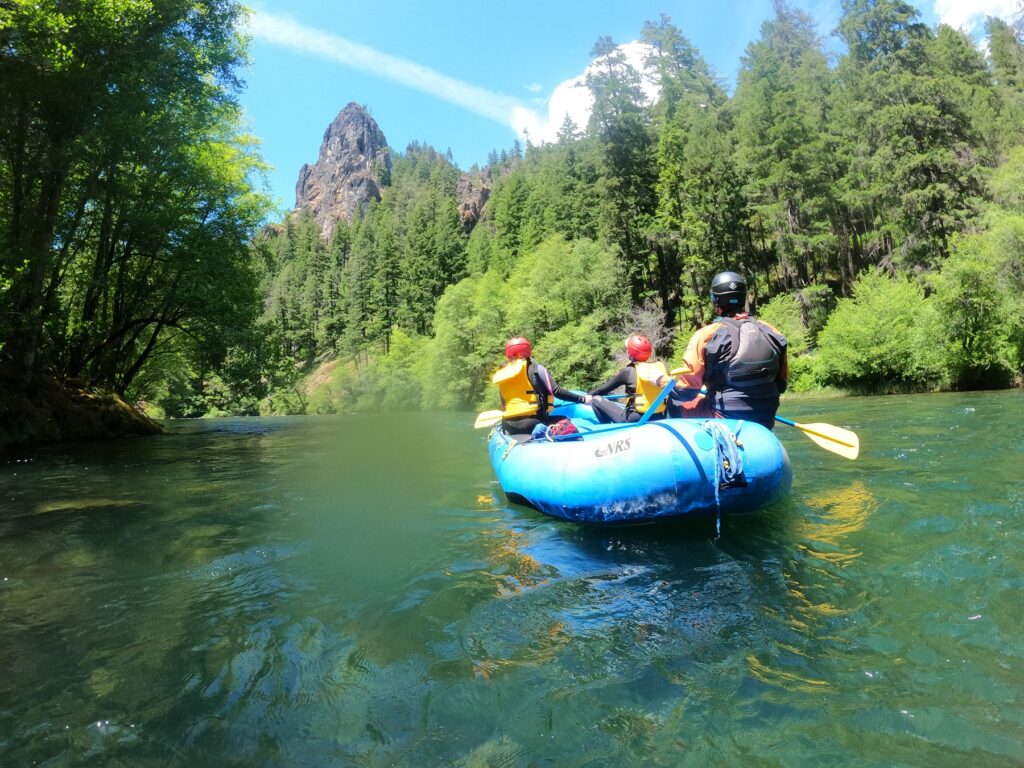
(754, 361)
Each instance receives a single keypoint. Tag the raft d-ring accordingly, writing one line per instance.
(508, 450)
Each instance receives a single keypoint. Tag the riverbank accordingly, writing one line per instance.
(53, 412)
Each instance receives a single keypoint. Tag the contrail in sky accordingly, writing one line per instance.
(287, 32)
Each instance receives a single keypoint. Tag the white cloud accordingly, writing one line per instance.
(286, 32)
(570, 97)
(969, 15)
(534, 87)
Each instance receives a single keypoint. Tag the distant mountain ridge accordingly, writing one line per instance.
(355, 164)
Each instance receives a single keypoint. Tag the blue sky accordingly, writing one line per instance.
(458, 75)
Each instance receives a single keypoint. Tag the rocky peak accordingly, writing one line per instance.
(471, 194)
(353, 158)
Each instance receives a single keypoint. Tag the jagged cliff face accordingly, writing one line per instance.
(471, 196)
(353, 157)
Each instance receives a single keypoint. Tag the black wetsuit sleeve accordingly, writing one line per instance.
(624, 378)
(568, 394)
(546, 381)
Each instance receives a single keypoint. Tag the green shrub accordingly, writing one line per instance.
(887, 336)
(783, 312)
(979, 292)
(789, 313)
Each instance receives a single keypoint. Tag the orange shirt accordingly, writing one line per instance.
(691, 372)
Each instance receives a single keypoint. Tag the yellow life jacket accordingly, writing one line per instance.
(517, 394)
(647, 389)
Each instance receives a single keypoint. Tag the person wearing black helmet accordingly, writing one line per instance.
(639, 379)
(527, 389)
(738, 361)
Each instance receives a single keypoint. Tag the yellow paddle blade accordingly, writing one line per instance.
(836, 439)
(487, 419)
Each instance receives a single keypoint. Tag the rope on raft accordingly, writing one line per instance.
(728, 461)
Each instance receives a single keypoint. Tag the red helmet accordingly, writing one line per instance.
(638, 347)
(518, 347)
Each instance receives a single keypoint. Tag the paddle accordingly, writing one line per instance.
(490, 418)
(657, 401)
(487, 419)
(836, 439)
(639, 422)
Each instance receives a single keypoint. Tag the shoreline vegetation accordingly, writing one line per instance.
(54, 412)
(872, 199)
(71, 411)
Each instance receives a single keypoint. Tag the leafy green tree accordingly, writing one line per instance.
(698, 206)
(683, 75)
(434, 257)
(1006, 57)
(559, 283)
(384, 284)
(480, 249)
(980, 289)
(887, 335)
(701, 211)
(356, 280)
(783, 150)
(789, 313)
(508, 207)
(109, 114)
(981, 316)
(469, 336)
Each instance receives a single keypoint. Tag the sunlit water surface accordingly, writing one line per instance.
(355, 591)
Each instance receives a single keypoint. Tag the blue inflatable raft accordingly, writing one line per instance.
(668, 468)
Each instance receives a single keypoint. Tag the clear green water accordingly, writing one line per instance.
(354, 591)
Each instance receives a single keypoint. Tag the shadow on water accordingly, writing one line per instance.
(676, 573)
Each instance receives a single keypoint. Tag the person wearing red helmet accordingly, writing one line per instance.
(639, 378)
(527, 389)
(738, 361)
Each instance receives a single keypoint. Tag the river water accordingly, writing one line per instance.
(355, 591)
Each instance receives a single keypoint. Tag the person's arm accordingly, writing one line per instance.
(690, 392)
(620, 379)
(568, 394)
(553, 390)
(691, 372)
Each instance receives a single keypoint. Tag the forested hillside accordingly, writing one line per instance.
(873, 201)
(873, 198)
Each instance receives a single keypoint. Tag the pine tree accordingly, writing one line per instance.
(620, 124)
(783, 150)
(910, 176)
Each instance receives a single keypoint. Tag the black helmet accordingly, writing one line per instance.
(729, 291)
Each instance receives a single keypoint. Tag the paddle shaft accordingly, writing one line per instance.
(808, 430)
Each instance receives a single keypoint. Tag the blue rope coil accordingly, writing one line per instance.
(728, 461)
